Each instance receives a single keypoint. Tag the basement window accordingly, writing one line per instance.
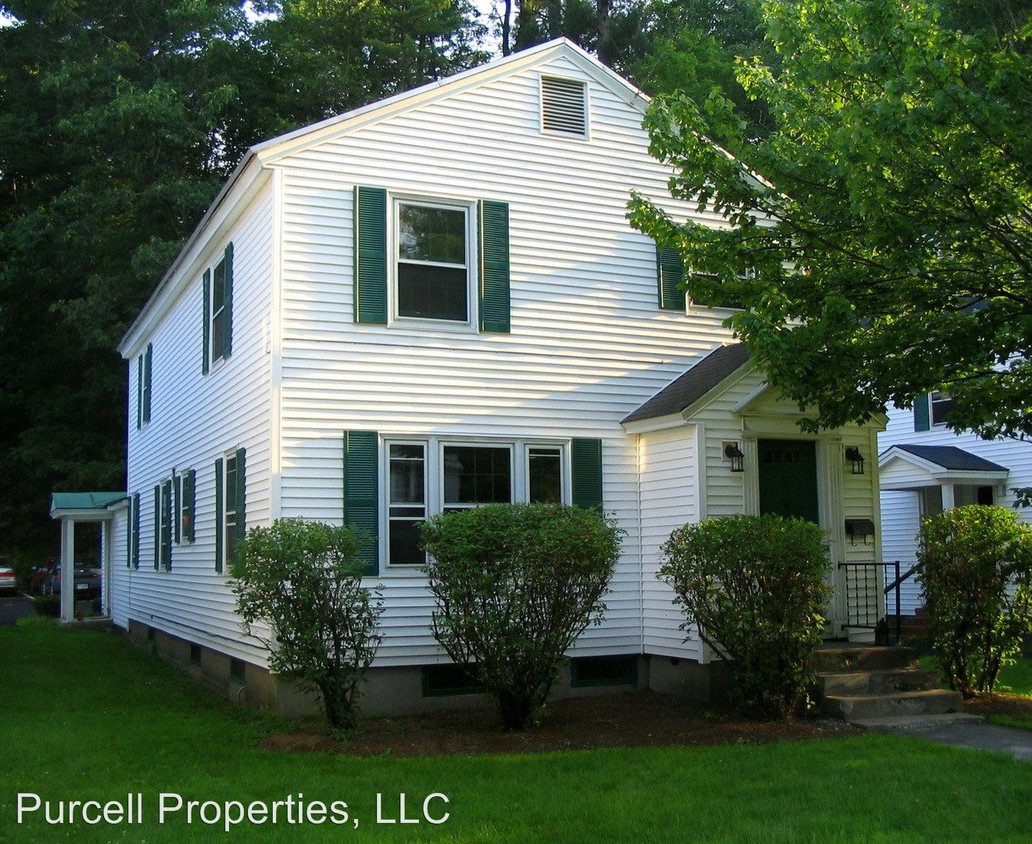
(564, 106)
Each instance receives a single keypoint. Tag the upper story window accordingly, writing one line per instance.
(444, 262)
(144, 366)
(217, 292)
(433, 261)
(564, 106)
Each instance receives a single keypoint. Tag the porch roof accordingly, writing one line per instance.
(83, 504)
(910, 466)
(694, 384)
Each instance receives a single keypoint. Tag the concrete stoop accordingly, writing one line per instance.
(869, 683)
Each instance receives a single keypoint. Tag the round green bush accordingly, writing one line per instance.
(754, 587)
(515, 584)
(975, 566)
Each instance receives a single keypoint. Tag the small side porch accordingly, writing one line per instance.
(70, 509)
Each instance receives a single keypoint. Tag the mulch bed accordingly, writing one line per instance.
(1000, 704)
(637, 719)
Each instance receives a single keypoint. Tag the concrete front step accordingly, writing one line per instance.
(862, 658)
(905, 723)
(862, 707)
(883, 681)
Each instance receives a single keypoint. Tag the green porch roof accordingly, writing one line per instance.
(78, 501)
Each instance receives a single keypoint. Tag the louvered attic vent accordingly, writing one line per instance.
(564, 106)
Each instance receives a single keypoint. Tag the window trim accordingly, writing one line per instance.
(469, 209)
(211, 310)
(943, 399)
(433, 478)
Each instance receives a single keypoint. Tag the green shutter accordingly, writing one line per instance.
(361, 501)
(139, 392)
(370, 255)
(494, 266)
(147, 364)
(227, 346)
(586, 469)
(922, 417)
(189, 481)
(218, 514)
(241, 489)
(670, 273)
(157, 526)
(136, 530)
(206, 327)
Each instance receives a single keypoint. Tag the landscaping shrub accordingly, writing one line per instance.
(49, 605)
(303, 580)
(755, 587)
(515, 584)
(976, 563)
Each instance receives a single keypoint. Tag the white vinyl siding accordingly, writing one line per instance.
(586, 346)
(194, 418)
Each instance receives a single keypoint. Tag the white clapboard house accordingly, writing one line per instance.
(926, 468)
(436, 301)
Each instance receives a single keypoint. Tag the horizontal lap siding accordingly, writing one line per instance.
(669, 500)
(196, 419)
(588, 343)
(901, 522)
(117, 585)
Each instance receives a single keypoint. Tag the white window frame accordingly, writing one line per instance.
(166, 504)
(433, 477)
(388, 444)
(227, 533)
(931, 399)
(220, 357)
(469, 208)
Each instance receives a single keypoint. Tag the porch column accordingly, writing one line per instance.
(67, 569)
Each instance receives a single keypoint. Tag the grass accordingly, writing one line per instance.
(85, 716)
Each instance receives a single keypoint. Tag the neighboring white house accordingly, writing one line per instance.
(436, 301)
(926, 468)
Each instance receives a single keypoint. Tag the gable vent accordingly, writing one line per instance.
(564, 106)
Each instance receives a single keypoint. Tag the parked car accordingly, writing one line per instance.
(39, 575)
(87, 581)
(8, 578)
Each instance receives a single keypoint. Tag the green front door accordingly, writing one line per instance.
(788, 478)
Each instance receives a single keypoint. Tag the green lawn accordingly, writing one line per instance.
(86, 717)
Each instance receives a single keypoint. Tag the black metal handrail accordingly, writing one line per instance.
(863, 601)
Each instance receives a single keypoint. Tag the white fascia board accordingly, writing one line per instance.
(659, 423)
(341, 124)
(228, 205)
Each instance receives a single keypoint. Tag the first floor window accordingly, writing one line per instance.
(475, 475)
(431, 476)
(230, 517)
(163, 525)
(407, 502)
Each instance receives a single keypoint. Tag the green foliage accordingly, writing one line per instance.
(754, 587)
(976, 566)
(515, 585)
(47, 605)
(299, 590)
(887, 249)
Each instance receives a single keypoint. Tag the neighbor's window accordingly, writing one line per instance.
(942, 404)
(433, 266)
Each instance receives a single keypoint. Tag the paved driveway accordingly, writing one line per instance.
(12, 608)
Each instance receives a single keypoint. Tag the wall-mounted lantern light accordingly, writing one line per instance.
(854, 456)
(733, 453)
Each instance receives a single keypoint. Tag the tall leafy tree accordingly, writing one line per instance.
(119, 119)
(887, 248)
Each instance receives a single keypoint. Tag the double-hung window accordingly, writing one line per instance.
(230, 516)
(217, 306)
(433, 261)
(407, 504)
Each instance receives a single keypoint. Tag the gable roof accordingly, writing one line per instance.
(694, 384)
(253, 165)
(945, 456)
